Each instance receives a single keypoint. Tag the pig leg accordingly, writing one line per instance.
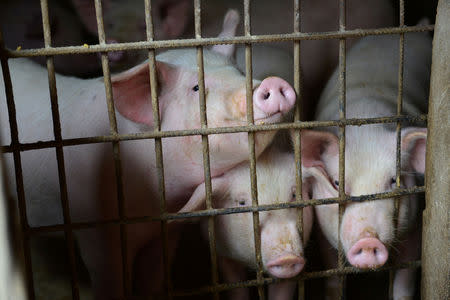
(404, 279)
(148, 264)
(282, 291)
(102, 256)
(329, 258)
(234, 272)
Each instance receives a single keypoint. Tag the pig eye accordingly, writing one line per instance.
(393, 182)
(336, 182)
(241, 202)
(195, 88)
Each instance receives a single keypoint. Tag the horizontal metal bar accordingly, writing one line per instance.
(303, 276)
(206, 131)
(299, 36)
(227, 211)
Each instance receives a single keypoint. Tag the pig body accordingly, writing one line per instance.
(369, 228)
(282, 248)
(21, 22)
(91, 184)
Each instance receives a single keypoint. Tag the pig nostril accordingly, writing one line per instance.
(359, 252)
(266, 96)
(282, 93)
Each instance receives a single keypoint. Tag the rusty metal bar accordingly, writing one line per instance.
(205, 148)
(398, 133)
(303, 276)
(158, 146)
(297, 133)
(342, 116)
(435, 241)
(115, 147)
(232, 210)
(208, 131)
(214, 41)
(24, 226)
(251, 146)
(70, 244)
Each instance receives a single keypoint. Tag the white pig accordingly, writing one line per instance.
(90, 172)
(368, 229)
(282, 248)
(318, 57)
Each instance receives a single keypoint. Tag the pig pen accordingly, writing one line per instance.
(435, 262)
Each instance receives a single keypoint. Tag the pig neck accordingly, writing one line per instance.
(182, 174)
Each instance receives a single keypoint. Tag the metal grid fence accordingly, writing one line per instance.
(16, 148)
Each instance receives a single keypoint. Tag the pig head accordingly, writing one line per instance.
(369, 228)
(125, 22)
(282, 247)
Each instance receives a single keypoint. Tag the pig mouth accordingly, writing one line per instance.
(274, 118)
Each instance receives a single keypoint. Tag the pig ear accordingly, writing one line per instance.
(175, 15)
(414, 142)
(131, 91)
(316, 143)
(230, 22)
(86, 11)
(198, 198)
(316, 176)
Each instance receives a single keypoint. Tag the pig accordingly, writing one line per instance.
(282, 247)
(91, 187)
(318, 57)
(21, 22)
(369, 229)
(12, 283)
(125, 22)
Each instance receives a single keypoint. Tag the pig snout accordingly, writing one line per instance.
(274, 95)
(367, 253)
(114, 56)
(285, 266)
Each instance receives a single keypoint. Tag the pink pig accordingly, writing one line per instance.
(90, 172)
(282, 248)
(369, 228)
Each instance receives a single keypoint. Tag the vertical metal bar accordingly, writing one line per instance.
(158, 148)
(116, 147)
(205, 147)
(398, 133)
(251, 145)
(297, 133)
(24, 226)
(342, 115)
(435, 250)
(59, 152)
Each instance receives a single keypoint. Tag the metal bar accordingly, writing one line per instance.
(233, 210)
(115, 147)
(24, 226)
(208, 131)
(435, 250)
(398, 133)
(342, 116)
(297, 134)
(303, 276)
(70, 244)
(251, 146)
(355, 33)
(205, 148)
(158, 147)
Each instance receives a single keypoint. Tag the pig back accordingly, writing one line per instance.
(372, 78)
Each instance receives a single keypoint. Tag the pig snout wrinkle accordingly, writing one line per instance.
(274, 95)
(286, 266)
(367, 253)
